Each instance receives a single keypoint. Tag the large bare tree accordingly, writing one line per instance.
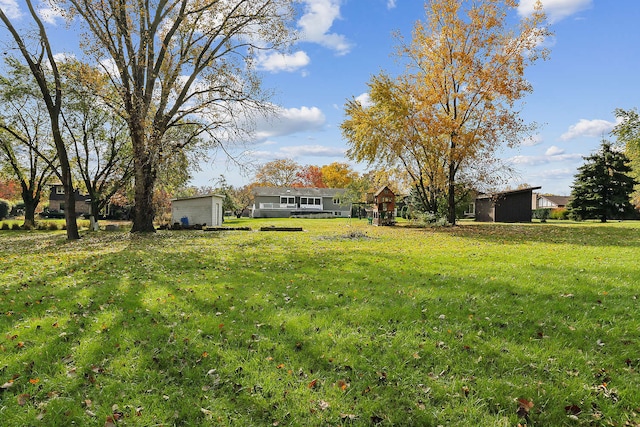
(181, 62)
(25, 136)
(99, 140)
(40, 58)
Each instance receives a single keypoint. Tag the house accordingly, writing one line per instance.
(384, 206)
(203, 210)
(56, 201)
(284, 202)
(506, 206)
(541, 201)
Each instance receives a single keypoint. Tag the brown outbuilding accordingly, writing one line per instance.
(505, 206)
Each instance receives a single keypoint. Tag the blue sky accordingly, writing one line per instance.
(592, 69)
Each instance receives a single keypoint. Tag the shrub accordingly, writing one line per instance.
(431, 220)
(16, 226)
(17, 209)
(5, 226)
(542, 214)
(5, 208)
(559, 213)
(52, 226)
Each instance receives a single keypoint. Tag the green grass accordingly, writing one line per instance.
(342, 324)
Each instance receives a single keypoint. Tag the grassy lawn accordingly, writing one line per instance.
(342, 324)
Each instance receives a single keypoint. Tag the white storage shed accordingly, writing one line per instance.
(203, 210)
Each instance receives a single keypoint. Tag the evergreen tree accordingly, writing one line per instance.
(602, 187)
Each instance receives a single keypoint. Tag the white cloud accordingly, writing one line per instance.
(552, 154)
(554, 151)
(313, 150)
(555, 174)
(556, 10)
(364, 99)
(532, 141)
(64, 57)
(277, 62)
(11, 8)
(296, 151)
(588, 128)
(109, 66)
(317, 21)
(391, 4)
(49, 15)
(290, 121)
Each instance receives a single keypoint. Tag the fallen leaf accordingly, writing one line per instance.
(524, 406)
(23, 399)
(110, 422)
(313, 384)
(572, 409)
(343, 385)
(375, 419)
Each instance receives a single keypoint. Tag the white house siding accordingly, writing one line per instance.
(205, 210)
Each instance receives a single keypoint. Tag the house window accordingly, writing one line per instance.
(303, 200)
(287, 200)
(316, 201)
(59, 190)
(336, 201)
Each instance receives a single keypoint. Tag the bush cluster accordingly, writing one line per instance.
(5, 208)
(559, 213)
(542, 214)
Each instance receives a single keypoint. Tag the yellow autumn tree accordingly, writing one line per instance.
(278, 173)
(390, 134)
(338, 175)
(464, 78)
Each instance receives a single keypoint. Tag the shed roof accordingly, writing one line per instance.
(507, 193)
(199, 197)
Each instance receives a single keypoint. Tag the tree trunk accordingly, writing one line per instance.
(451, 196)
(30, 205)
(67, 183)
(145, 180)
(95, 213)
(70, 211)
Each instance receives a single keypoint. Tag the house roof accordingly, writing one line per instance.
(198, 197)
(507, 193)
(557, 200)
(295, 191)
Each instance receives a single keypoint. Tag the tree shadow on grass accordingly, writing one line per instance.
(594, 234)
(179, 332)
